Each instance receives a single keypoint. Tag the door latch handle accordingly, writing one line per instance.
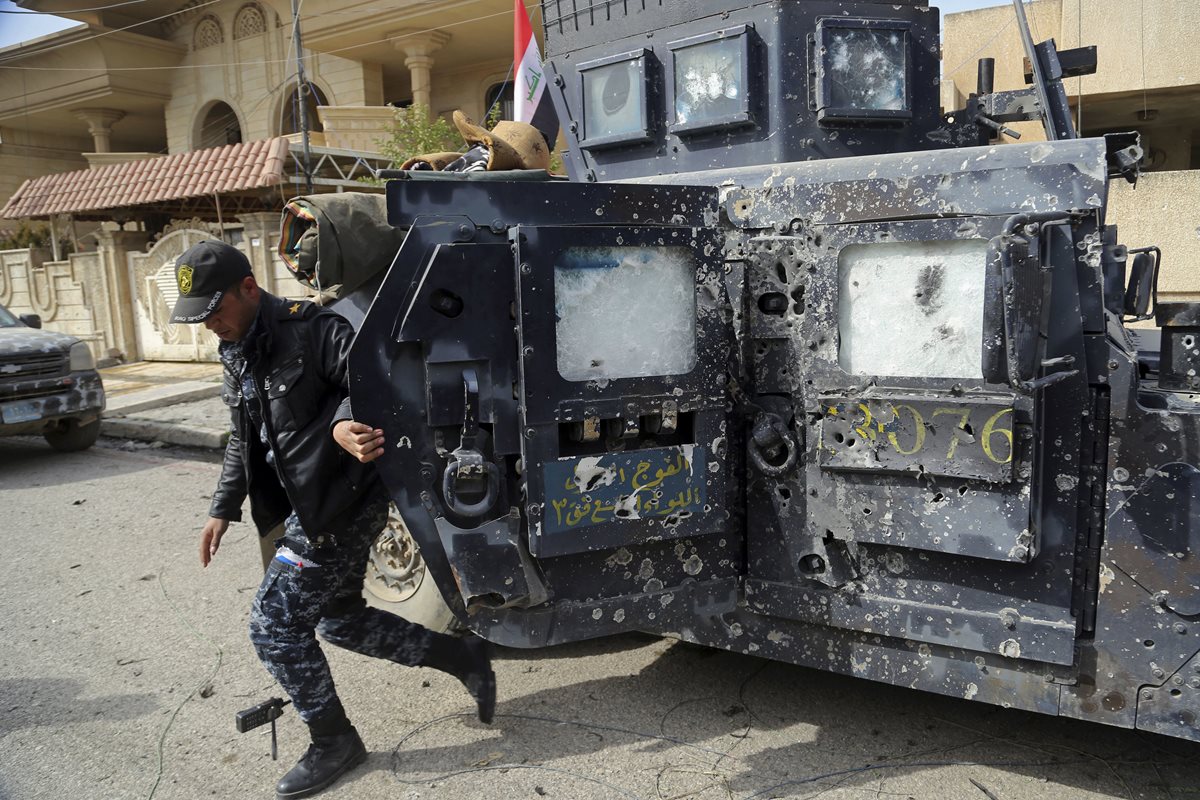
(467, 471)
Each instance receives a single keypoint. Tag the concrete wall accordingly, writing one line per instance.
(60, 292)
(1163, 210)
(1154, 51)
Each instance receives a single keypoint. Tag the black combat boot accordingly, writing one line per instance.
(336, 748)
(469, 660)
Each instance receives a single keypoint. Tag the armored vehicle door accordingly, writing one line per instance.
(552, 389)
(920, 370)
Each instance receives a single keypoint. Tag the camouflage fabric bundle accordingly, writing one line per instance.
(334, 243)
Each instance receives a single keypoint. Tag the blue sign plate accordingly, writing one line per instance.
(665, 483)
(21, 412)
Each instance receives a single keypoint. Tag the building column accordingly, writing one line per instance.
(259, 231)
(114, 248)
(419, 47)
(100, 122)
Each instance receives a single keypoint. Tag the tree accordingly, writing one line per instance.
(29, 235)
(415, 133)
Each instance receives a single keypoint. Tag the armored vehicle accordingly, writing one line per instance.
(798, 365)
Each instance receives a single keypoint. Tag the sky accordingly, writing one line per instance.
(21, 26)
(18, 27)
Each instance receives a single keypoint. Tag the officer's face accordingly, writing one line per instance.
(235, 313)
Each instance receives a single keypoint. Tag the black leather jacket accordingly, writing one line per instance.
(301, 379)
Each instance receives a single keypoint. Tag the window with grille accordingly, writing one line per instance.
(249, 22)
(208, 33)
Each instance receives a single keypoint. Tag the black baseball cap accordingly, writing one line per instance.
(203, 273)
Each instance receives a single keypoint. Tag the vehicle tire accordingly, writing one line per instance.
(398, 582)
(71, 436)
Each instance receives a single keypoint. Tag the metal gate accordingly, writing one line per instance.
(152, 281)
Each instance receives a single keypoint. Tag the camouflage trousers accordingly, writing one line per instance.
(313, 587)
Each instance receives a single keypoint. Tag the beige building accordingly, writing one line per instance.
(163, 78)
(1147, 79)
(168, 77)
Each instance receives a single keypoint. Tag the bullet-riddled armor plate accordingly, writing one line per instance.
(828, 377)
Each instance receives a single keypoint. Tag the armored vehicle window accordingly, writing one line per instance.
(863, 68)
(625, 312)
(710, 80)
(912, 308)
(614, 100)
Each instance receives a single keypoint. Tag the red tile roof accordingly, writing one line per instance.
(217, 170)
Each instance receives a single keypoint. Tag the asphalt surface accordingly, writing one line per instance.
(123, 663)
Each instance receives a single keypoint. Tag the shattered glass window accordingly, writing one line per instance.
(865, 69)
(625, 312)
(709, 81)
(614, 100)
(912, 308)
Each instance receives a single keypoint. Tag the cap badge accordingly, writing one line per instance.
(185, 279)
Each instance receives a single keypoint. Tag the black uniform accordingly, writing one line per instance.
(286, 385)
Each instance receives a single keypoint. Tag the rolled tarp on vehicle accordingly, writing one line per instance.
(335, 243)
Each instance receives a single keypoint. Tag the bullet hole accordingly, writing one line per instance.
(784, 492)
(813, 564)
(781, 272)
(774, 303)
(1148, 643)
(838, 437)
(962, 490)
(798, 300)
(939, 497)
(446, 303)
(866, 512)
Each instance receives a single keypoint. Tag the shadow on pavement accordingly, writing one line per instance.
(744, 727)
(54, 702)
(30, 462)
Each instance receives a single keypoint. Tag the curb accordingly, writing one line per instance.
(117, 407)
(146, 430)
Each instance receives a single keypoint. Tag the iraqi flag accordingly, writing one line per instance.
(531, 103)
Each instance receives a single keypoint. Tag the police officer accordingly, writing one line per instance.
(286, 387)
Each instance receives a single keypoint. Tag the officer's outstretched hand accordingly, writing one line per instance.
(359, 440)
(210, 538)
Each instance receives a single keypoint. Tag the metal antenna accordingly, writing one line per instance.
(1039, 79)
(301, 96)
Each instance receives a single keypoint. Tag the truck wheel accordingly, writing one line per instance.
(398, 582)
(71, 436)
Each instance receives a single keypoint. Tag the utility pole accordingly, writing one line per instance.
(302, 96)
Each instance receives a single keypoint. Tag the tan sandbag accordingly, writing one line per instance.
(512, 145)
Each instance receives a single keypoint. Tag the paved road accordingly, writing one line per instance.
(123, 663)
